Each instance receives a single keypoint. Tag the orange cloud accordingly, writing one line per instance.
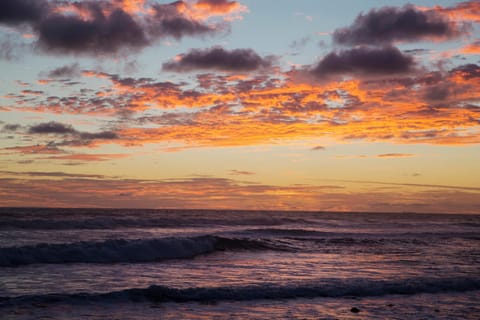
(32, 92)
(44, 81)
(36, 149)
(395, 155)
(378, 112)
(468, 10)
(76, 9)
(426, 107)
(84, 157)
(95, 74)
(66, 190)
(222, 7)
(206, 9)
(473, 48)
(133, 6)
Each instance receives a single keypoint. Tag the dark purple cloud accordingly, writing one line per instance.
(217, 58)
(389, 24)
(102, 28)
(218, 3)
(103, 135)
(438, 92)
(51, 127)
(76, 138)
(168, 21)
(102, 34)
(14, 12)
(366, 61)
(467, 71)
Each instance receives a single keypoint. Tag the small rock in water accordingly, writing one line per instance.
(354, 310)
(390, 305)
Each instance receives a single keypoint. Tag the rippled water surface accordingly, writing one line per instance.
(139, 264)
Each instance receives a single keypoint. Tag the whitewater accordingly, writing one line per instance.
(204, 264)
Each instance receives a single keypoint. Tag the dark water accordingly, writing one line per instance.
(150, 264)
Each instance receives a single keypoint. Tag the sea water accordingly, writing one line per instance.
(204, 264)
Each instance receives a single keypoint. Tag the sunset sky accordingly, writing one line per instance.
(299, 105)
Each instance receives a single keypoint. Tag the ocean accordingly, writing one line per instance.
(217, 264)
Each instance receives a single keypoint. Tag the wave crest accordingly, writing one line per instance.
(329, 288)
(121, 250)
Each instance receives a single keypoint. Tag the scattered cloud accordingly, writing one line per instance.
(17, 12)
(462, 11)
(241, 173)
(35, 149)
(104, 135)
(472, 48)
(86, 157)
(67, 71)
(218, 193)
(217, 58)
(52, 127)
(373, 92)
(11, 127)
(69, 135)
(10, 49)
(101, 34)
(52, 174)
(169, 20)
(395, 155)
(420, 185)
(112, 27)
(364, 61)
(425, 105)
(231, 10)
(300, 43)
(406, 24)
(433, 107)
(380, 156)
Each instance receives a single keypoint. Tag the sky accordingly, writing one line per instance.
(274, 105)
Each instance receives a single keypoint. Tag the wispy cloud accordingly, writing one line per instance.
(218, 193)
(420, 185)
(395, 155)
(241, 173)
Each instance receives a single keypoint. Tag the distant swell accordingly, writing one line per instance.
(362, 237)
(114, 251)
(104, 223)
(332, 288)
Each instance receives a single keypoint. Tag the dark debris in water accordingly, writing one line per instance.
(354, 310)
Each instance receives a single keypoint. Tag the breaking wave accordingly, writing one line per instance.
(121, 250)
(329, 288)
